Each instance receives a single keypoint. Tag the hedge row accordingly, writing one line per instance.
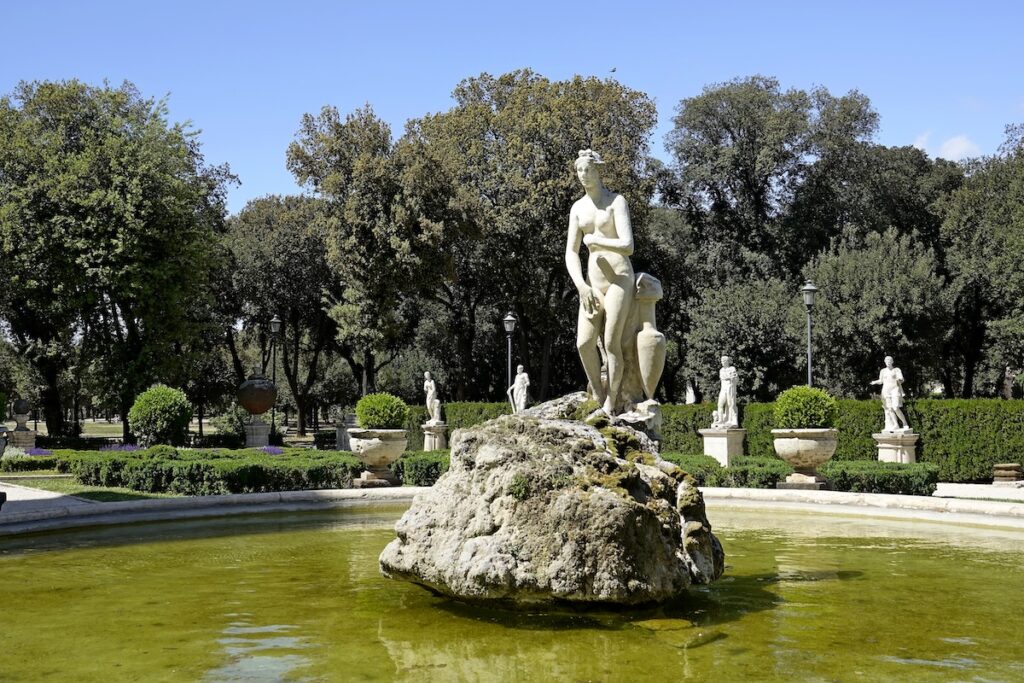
(457, 415)
(963, 437)
(202, 473)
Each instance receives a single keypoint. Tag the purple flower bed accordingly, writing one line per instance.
(37, 451)
(272, 450)
(120, 447)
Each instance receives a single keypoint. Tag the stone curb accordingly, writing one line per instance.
(102, 514)
(947, 510)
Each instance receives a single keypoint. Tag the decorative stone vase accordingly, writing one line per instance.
(804, 450)
(257, 394)
(377, 449)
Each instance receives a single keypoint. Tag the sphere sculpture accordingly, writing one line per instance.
(257, 394)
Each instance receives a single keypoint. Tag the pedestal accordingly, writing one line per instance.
(375, 477)
(435, 436)
(22, 437)
(257, 434)
(723, 444)
(341, 441)
(896, 446)
(646, 417)
(23, 440)
(803, 482)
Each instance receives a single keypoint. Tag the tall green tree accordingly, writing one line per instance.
(279, 245)
(493, 180)
(881, 295)
(982, 238)
(373, 244)
(106, 213)
(743, 150)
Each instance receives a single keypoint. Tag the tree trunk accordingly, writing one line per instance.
(300, 409)
(51, 401)
(126, 431)
(200, 412)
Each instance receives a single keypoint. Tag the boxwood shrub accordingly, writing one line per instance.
(161, 415)
(919, 479)
(381, 411)
(200, 473)
(420, 468)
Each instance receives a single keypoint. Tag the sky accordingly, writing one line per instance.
(944, 76)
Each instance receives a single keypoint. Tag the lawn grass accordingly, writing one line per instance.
(99, 494)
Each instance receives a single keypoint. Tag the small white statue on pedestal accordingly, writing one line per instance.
(517, 392)
(891, 379)
(433, 402)
(727, 415)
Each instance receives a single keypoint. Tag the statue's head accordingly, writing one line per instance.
(889, 361)
(726, 361)
(587, 170)
(426, 375)
(519, 368)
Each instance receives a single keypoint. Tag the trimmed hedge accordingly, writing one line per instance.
(203, 473)
(919, 479)
(679, 425)
(746, 472)
(420, 468)
(75, 443)
(464, 414)
(27, 463)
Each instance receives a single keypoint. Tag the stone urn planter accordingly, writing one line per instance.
(805, 450)
(376, 450)
(805, 438)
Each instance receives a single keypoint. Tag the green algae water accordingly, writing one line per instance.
(299, 597)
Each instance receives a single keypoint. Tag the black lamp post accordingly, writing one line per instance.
(510, 326)
(275, 330)
(809, 290)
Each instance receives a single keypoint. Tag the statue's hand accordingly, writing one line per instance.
(587, 300)
(589, 239)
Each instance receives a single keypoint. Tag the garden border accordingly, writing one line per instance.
(945, 510)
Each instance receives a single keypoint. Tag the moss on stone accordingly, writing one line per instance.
(519, 488)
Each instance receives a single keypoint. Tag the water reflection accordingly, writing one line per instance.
(259, 653)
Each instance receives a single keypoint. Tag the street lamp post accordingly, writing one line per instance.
(275, 330)
(510, 326)
(809, 290)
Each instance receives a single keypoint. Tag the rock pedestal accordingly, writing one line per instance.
(724, 445)
(540, 509)
(435, 436)
(896, 446)
(257, 434)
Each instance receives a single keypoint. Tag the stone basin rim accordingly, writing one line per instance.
(984, 513)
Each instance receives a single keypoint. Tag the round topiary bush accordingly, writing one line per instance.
(160, 415)
(805, 408)
(381, 411)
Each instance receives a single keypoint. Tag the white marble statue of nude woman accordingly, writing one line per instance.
(600, 220)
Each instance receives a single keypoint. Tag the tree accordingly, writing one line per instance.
(106, 214)
(743, 149)
(492, 181)
(881, 295)
(279, 245)
(758, 324)
(982, 237)
(373, 245)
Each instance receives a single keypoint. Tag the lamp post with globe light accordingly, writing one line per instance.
(809, 290)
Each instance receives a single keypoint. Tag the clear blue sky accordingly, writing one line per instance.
(947, 76)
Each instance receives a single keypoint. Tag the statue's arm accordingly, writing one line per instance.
(623, 241)
(572, 252)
